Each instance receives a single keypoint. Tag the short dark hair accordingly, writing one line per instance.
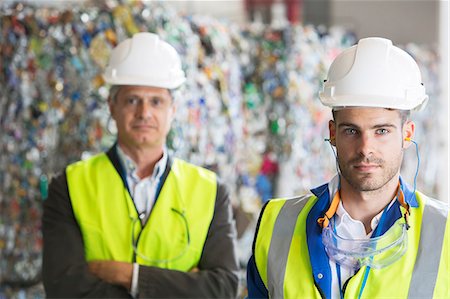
(404, 114)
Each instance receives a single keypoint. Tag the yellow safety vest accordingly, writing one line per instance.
(283, 259)
(175, 233)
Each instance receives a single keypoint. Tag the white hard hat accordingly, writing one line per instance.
(374, 73)
(145, 60)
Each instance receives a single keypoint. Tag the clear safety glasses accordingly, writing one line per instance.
(378, 252)
(184, 248)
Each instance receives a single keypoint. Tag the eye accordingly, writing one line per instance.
(132, 101)
(350, 131)
(156, 101)
(382, 131)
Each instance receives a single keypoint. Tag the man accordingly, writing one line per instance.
(135, 221)
(365, 234)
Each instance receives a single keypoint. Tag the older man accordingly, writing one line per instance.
(135, 221)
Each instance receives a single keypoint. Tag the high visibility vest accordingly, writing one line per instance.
(283, 259)
(175, 233)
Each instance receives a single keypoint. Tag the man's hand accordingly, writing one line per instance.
(119, 273)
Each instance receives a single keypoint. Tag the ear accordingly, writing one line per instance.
(332, 130)
(408, 133)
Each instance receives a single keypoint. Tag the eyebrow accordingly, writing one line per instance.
(377, 126)
(132, 94)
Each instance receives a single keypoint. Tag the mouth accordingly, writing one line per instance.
(143, 127)
(362, 167)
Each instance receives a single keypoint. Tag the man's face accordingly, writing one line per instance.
(143, 116)
(369, 144)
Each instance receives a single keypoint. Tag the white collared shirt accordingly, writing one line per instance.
(349, 228)
(143, 192)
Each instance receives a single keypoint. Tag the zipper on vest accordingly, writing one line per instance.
(134, 251)
(139, 235)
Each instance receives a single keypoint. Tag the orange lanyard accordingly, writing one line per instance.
(325, 220)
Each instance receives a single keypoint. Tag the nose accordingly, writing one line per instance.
(144, 110)
(365, 145)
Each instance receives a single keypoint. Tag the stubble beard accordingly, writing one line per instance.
(371, 181)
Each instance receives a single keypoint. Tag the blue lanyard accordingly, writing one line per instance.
(338, 270)
(375, 233)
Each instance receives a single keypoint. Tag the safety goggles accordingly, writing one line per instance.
(378, 252)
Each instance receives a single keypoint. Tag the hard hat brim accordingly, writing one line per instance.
(169, 84)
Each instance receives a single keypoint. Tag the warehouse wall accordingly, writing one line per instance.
(232, 10)
(402, 21)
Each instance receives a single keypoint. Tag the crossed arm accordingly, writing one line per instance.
(67, 274)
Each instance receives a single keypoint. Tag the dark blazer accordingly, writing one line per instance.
(65, 271)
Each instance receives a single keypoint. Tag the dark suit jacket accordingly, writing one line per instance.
(65, 272)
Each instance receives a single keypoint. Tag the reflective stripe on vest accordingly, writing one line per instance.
(423, 280)
(106, 214)
(427, 263)
(281, 244)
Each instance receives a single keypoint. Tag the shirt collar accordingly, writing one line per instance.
(344, 217)
(130, 166)
(346, 220)
(333, 186)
